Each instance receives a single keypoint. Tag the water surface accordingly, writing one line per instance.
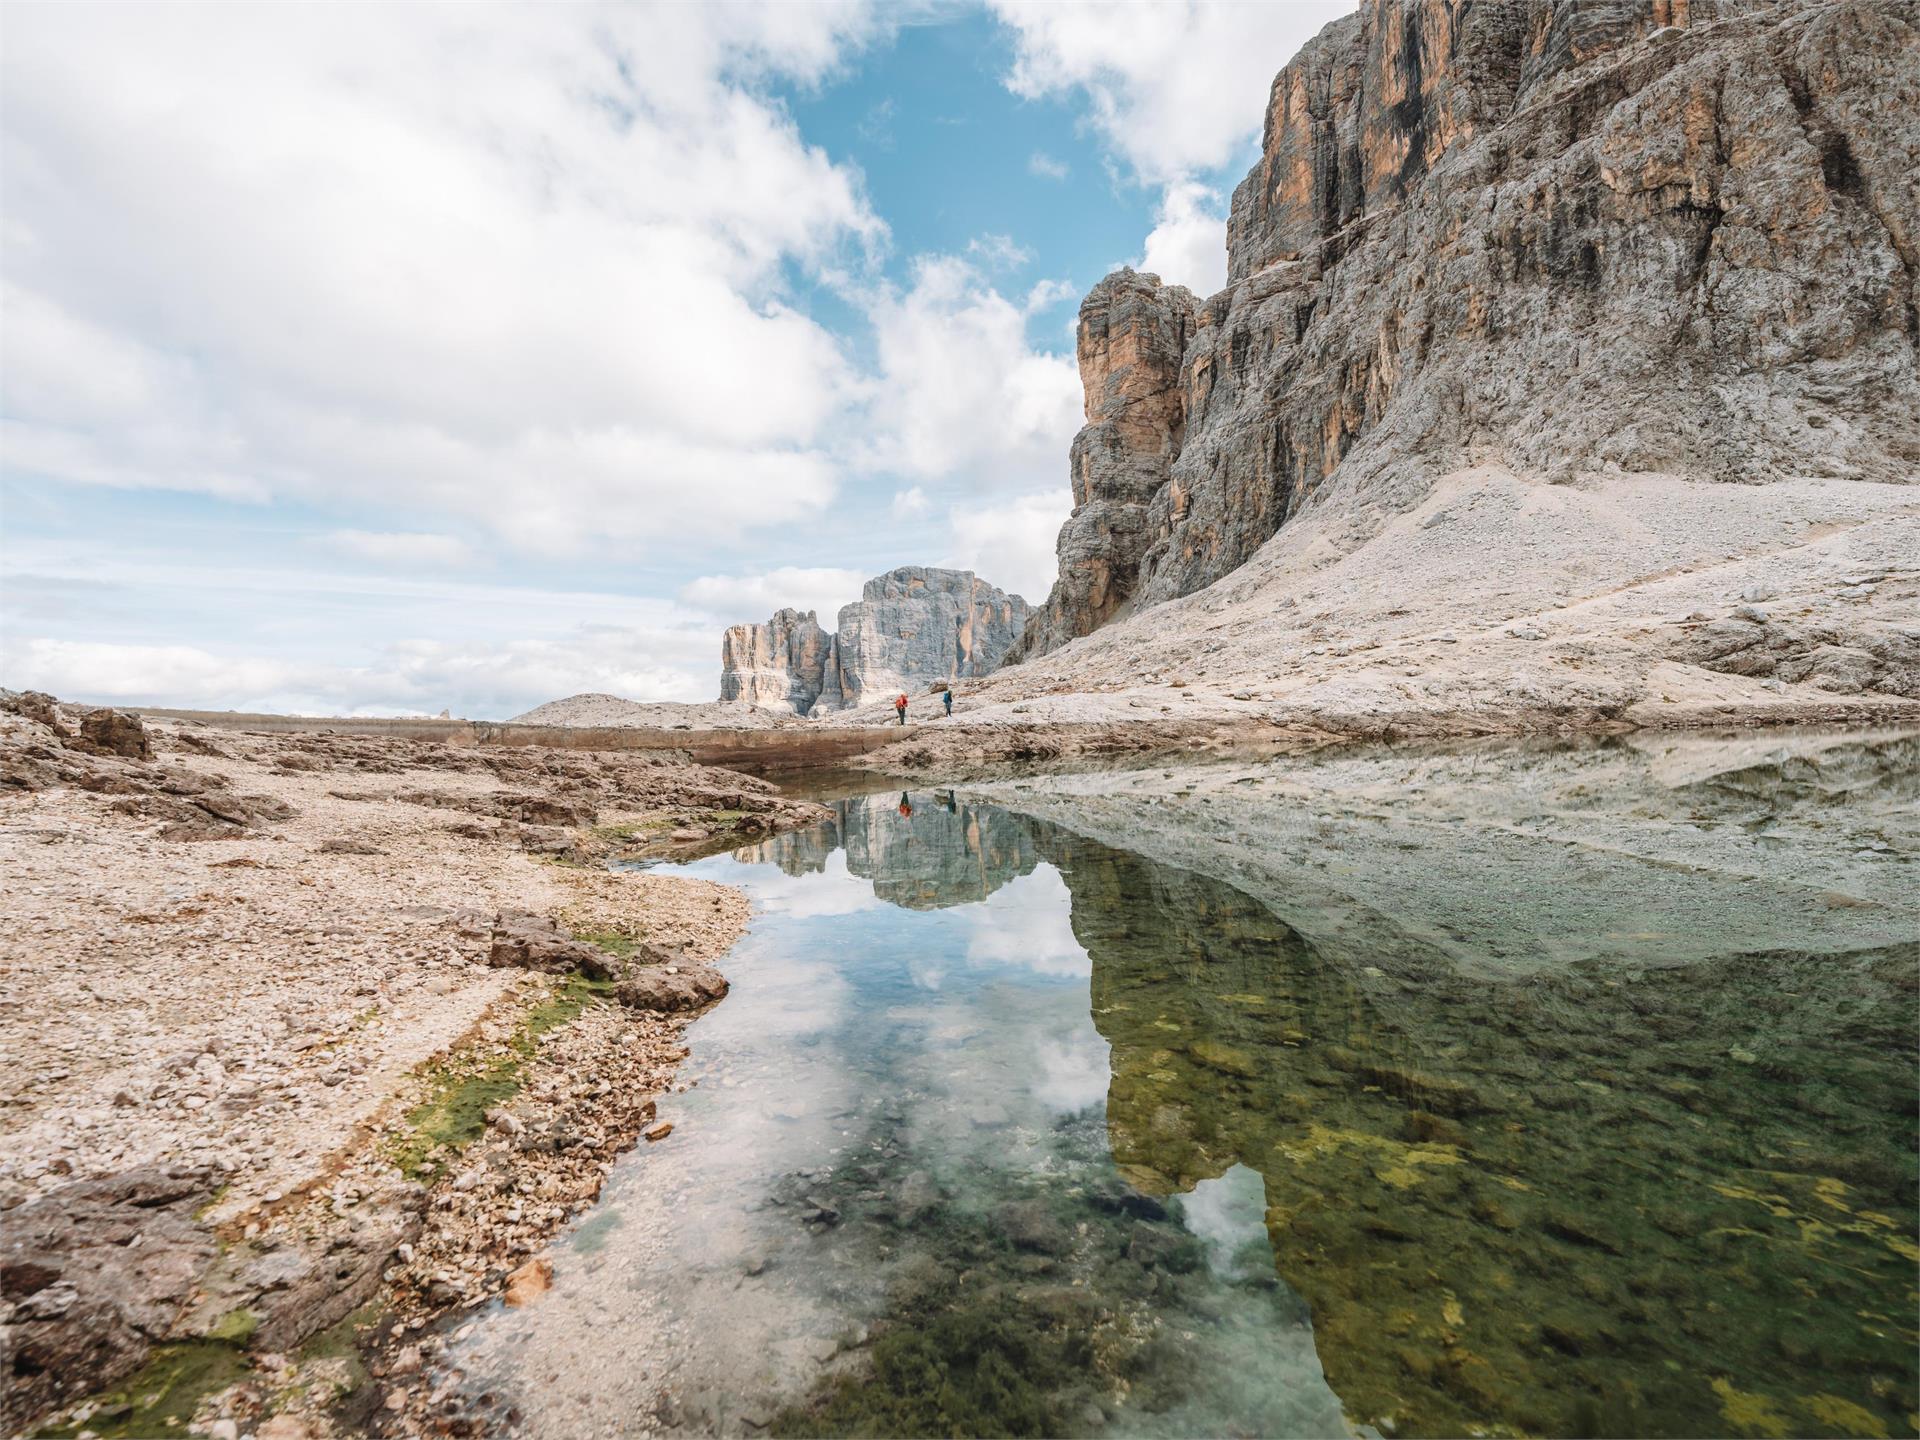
(1524, 1091)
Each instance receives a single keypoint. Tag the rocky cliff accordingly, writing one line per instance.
(1569, 239)
(776, 665)
(910, 628)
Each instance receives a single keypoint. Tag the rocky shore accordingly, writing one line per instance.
(312, 1040)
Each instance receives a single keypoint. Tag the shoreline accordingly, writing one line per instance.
(314, 1276)
(343, 1028)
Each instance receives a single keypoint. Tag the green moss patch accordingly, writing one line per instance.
(236, 1327)
(454, 1114)
(614, 942)
(161, 1396)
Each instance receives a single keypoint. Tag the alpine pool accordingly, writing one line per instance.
(1559, 1089)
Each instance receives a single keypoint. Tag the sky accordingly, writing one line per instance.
(392, 359)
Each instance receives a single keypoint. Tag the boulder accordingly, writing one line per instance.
(35, 705)
(87, 1301)
(115, 732)
(671, 989)
(524, 941)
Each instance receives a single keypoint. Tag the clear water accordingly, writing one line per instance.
(1006, 1130)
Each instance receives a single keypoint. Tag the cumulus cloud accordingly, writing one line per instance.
(999, 252)
(1048, 293)
(321, 642)
(389, 548)
(1171, 88)
(503, 265)
(1188, 242)
(966, 397)
(735, 598)
(1046, 167)
(1175, 91)
(479, 680)
(1011, 543)
(515, 281)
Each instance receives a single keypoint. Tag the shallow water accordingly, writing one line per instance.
(1009, 1129)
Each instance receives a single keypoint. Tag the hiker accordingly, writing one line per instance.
(947, 695)
(900, 709)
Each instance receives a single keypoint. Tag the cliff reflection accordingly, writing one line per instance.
(921, 850)
(1676, 1201)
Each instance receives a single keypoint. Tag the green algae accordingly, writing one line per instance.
(161, 1396)
(987, 1367)
(236, 1327)
(1567, 1204)
(463, 1089)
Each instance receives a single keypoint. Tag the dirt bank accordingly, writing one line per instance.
(333, 1024)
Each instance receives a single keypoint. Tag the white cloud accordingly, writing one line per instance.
(1172, 88)
(736, 598)
(410, 551)
(518, 266)
(1028, 923)
(999, 252)
(1188, 242)
(1011, 544)
(963, 395)
(910, 504)
(1048, 293)
(486, 680)
(321, 640)
(1046, 167)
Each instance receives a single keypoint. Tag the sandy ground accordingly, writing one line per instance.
(259, 1003)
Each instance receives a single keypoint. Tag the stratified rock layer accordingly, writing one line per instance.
(776, 665)
(911, 627)
(1652, 235)
(1132, 337)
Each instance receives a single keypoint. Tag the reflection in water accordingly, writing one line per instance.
(923, 856)
(1606, 1204)
(1006, 1130)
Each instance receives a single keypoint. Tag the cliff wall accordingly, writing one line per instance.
(911, 627)
(1668, 236)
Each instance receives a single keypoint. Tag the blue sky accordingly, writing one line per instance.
(380, 360)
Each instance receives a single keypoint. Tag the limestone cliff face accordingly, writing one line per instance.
(1132, 337)
(1640, 235)
(910, 628)
(776, 665)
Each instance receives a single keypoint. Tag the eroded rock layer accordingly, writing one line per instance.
(910, 628)
(1652, 236)
(776, 665)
